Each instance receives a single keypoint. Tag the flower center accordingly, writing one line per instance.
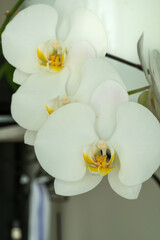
(56, 103)
(99, 158)
(52, 55)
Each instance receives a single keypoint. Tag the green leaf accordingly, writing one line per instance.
(9, 77)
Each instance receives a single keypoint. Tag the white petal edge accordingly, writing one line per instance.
(105, 101)
(86, 26)
(28, 104)
(87, 183)
(141, 58)
(21, 37)
(94, 72)
(128, 192)
(19, 77)
(29, 137)
(77, 56)
(60, 141)
(136, 141)
(154, 61)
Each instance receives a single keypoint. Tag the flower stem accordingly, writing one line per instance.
(156, 178)
(10, 15)
(138, 66)
(138, 90)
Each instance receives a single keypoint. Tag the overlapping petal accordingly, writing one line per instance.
(94, 72)
(77, 57)
(60, 141)
(25, 32)
(85, 26)
(28, 105)
(19, 77)
(105, 101)
(129, 192)
(136, 141)
(29, 137)
(87, 183)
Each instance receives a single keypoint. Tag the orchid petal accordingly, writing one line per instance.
(105, 101)
(129, 192)
(60, 142)
(85, 25)
(141, 58)
(19, 77)
(29, 137)
(87, 183)
(77, 55)
(94, 72)
(29, 28)
(136, 141)
(28, 105)
(155, 72)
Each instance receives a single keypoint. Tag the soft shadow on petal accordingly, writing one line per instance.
(30, 27)
(86, 26)
(141, 58)
(154, 61)
(29, 137)
(128, 192)
(87, 183)
(28, 104)
(94, 72)
(20, 77)
(136, 141)
(60, 142)
(77, 56)
(105, 101)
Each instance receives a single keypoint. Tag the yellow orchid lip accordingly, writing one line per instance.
(55, 59)
(100, 163)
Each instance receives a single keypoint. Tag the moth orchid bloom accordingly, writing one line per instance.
(50, 50)
(80, 144)
(35, 100)
(152, 97)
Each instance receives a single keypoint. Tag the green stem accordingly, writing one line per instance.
(3, 69)
(138, 90)
(138, 66)
(10, 15)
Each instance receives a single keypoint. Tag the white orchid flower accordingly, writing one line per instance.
(153, 77)
(36, 41)
(32, 43)
(35, 100)
(79, 144)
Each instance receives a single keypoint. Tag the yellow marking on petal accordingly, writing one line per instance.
(50, 111)
(88, 160)
(93, 169)
(41, 57)
(63, 57)
(56, 68)
(105, 171)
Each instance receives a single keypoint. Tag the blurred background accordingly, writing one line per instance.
(29, 208)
